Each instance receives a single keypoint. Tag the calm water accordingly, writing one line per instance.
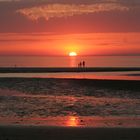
(91, 61)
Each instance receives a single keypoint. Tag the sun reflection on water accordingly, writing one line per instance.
(72, 121)
(73, 62)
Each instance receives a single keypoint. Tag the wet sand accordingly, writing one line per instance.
(74, 69)
(67, 133)
(74, 121)
(92, 128)
(70, 83)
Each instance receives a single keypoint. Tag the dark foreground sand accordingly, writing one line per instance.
(67, 133)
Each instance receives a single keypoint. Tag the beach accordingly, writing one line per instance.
(67, 108)
(69, 70)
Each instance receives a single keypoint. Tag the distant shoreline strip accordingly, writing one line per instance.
(65, 69)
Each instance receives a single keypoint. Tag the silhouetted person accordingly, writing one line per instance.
(84, 63)
(80, 64)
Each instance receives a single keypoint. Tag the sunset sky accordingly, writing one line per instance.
(57, 27)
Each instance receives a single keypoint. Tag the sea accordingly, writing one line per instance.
(39, 96)
(66, 61)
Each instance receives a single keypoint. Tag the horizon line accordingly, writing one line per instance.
(69, 56)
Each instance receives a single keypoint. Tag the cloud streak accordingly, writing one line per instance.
(67, 10)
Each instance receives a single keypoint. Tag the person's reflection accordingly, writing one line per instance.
(72, 121)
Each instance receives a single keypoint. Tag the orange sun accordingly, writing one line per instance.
(72, 54)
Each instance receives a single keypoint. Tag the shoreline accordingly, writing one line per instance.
(65, 69)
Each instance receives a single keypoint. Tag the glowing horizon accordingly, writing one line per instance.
(60, 45)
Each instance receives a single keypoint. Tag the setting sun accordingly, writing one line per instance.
(72, 54)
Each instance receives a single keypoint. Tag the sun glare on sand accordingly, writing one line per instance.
(72, 54)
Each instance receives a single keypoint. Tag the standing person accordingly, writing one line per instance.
(84, 63)
(80, 64)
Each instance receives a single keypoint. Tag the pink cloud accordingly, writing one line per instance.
(67, 10)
